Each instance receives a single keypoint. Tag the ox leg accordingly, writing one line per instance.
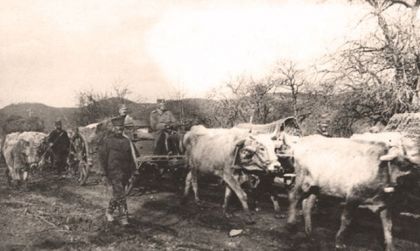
(187, 187)
(228, 195)
(295, 195)
(194, 183)
(274, 199)
(191, 181)
(387, 228)
(9, 179)
(307, 205)
(346, 217)
(243, 198)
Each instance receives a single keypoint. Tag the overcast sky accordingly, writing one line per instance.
(50, 50)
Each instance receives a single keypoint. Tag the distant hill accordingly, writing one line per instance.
(46, 113)
(139, 111)
(186, 109)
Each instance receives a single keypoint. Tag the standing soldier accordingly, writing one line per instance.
(116, 160)
(123, 112)
(59, 143)
(128, 121)
(322, 129)
(161, 120)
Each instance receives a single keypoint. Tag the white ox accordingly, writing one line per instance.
(223, 153)
(362, 171)
(21, 153)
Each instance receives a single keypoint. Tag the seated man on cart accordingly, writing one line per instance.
(162, 123)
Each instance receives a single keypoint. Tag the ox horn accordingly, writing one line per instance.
(392, 154)
(252, 149)
(250, 123)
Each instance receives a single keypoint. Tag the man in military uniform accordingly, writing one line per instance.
(128, 121)
(322, 129)
(161, 120)
(59, 143)
(123, 112)
(117, 163)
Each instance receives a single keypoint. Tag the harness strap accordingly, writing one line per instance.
(389, 188)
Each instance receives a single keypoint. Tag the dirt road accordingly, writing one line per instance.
(58, 214)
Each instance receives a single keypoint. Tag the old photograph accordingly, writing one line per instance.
(210, 125)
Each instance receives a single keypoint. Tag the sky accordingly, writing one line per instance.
(51, 50)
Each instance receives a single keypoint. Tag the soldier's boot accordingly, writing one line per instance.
(124, 221)
(110, 210)
(108, 215)
(124, 214)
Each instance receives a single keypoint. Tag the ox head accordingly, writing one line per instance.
(258, 152)
(29, 152)
(400, 160)
(285, 143)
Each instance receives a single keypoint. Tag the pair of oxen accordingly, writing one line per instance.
(25, 151)
(363, 170)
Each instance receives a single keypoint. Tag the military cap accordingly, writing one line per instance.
(119, 121)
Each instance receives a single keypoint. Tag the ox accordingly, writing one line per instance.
(363, 172)
(259, 183)
(224, 153)
(21, 153)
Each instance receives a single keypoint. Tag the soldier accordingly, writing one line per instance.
(161, 120)
(322, 129)
(116, 160)
(123, 112)
(128, 121)
(59, 143)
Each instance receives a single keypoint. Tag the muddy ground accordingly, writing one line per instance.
(57, 213)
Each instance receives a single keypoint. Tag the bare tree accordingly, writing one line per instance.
(120, 89)
(243, 98)
(379, 76)
(287, 75)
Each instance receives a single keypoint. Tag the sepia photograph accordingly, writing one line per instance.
(210, 125)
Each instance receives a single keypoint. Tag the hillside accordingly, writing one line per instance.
(195, 109)
(46, 113)
(182, 109)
